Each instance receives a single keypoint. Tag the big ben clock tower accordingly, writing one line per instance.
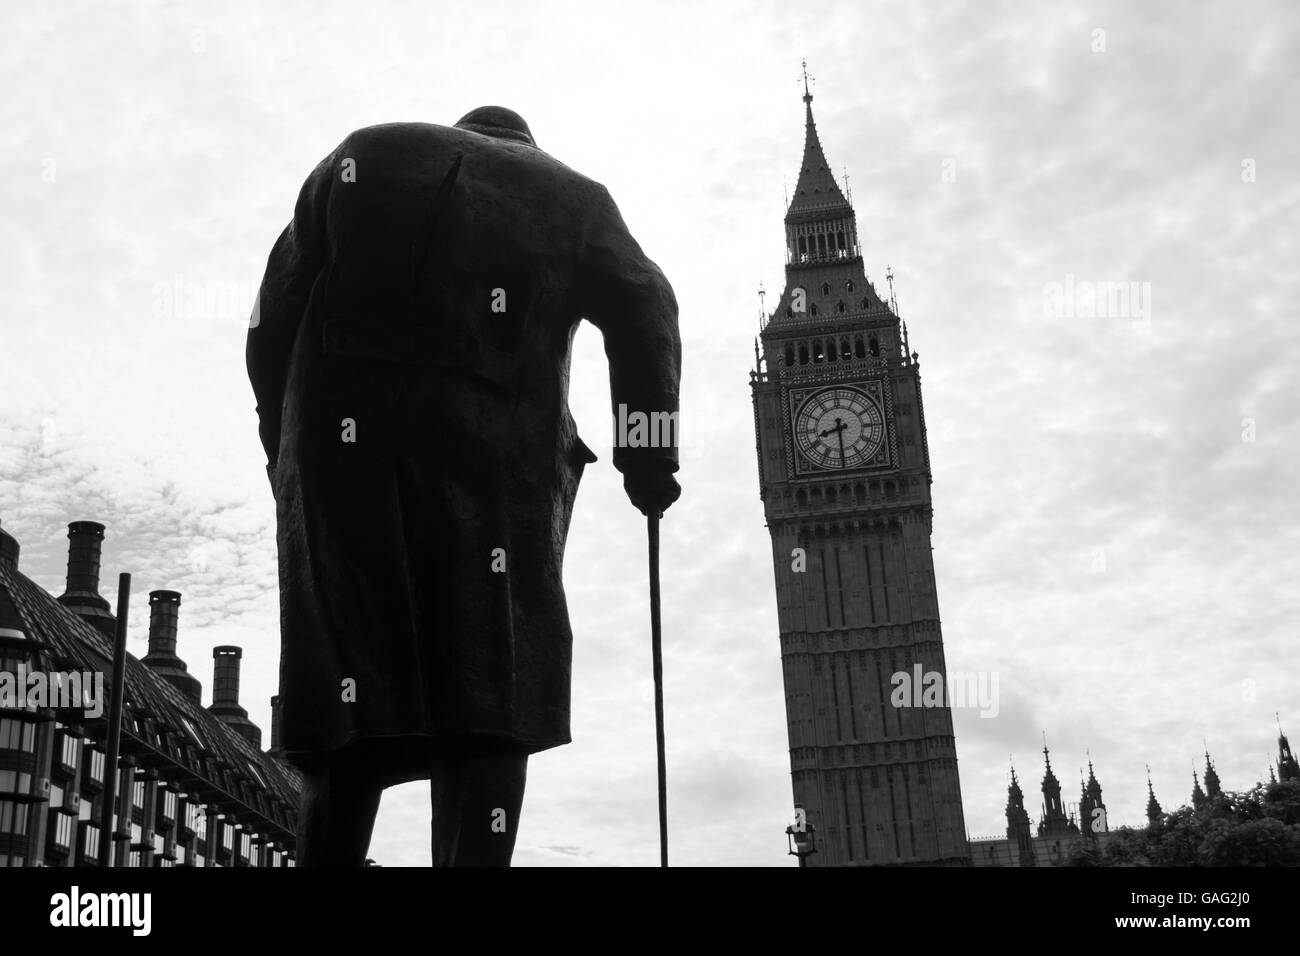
(844, 472)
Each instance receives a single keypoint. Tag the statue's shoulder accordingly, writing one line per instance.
(398, 139)
(403, 143)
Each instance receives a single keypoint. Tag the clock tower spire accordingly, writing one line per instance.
(844, 475)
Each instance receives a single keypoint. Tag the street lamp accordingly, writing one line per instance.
(802, 840)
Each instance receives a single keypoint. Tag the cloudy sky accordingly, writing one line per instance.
(1116, 526)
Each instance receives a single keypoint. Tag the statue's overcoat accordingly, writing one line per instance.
(410, 358)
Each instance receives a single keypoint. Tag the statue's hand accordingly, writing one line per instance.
(650, 485)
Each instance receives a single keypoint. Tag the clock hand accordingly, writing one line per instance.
(840, 426)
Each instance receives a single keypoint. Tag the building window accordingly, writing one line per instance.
(194, 734)
(90, 842)
(71, 746)
(95, 770)
(17, 735)
(63, 830)
(257, 775)
(13, 817)
(137, 794)
(11, 781)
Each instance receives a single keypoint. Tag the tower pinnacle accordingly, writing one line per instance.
(1287, 767)
(1154, 812)
(1211, 776)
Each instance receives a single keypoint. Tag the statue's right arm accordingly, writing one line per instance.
(295, 263)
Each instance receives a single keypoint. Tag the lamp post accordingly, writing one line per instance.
(802, 838)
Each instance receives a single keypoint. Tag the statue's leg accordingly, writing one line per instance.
(336, 817)
(477, 796)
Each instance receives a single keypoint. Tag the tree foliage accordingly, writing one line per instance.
(1257, 827)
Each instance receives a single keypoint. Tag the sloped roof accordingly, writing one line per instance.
(153, 707)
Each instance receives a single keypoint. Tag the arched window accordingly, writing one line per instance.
(821, 243)
(840, 307)
(846, 352)
(858, 348)
(812, 309)
(803, 354)
(866, 303)
(819, 354)
(848, 286)
(789, 355)
(831, 354)
(873, 344)
(839, 240)
(803, 247)
(826, 288)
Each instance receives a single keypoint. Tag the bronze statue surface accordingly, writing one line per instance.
(410, 360)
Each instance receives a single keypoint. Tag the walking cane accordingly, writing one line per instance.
(656, 652)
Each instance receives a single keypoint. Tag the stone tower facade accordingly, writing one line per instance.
(844, 473)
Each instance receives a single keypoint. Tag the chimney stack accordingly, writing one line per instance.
(8, 550)
(225, 694)
(164, 610)
(85, 538)
(275, 726)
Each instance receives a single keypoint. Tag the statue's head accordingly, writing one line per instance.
(499, 122)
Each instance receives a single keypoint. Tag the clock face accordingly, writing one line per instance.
(839, 428)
